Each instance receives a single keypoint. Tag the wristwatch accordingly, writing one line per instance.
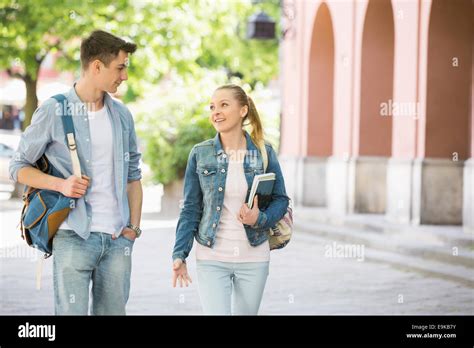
(136, 229)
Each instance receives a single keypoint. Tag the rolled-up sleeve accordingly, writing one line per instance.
(134, 171)
(33, 141)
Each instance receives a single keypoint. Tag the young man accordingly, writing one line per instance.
(96, 240)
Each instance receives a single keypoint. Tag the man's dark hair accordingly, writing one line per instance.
(104, 47)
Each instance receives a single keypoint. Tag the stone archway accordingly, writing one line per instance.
(320, 108)
(375, 130)
(374, 139)
(321, 86)
(448, 80)
(446, 133)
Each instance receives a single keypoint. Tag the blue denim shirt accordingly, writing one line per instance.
(204, 188)
(46, 135)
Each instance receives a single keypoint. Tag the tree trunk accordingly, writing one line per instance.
(31, 99)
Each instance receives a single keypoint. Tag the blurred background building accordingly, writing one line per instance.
(377, 108)
(375, 95)
(369, 103)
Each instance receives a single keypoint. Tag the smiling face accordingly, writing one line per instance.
(226, 112)
(109, 77)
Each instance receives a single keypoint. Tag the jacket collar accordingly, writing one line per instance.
(218, 145)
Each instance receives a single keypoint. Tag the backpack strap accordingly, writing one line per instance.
(68, 126)
(263, 150)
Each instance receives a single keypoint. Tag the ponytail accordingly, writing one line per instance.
(255, 123)
(252, 115)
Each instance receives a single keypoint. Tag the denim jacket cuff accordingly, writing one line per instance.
(261, 220)
(179, 255)
(134, 178)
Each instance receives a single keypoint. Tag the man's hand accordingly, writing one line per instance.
(74, 187)
(249, 216)
(127, 233)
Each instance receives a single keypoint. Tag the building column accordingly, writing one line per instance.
(468, 195)
(372, 128)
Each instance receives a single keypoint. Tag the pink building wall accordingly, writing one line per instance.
(347, 62)
(356, 88)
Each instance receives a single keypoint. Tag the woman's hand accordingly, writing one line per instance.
(180, 272)
(249, 216)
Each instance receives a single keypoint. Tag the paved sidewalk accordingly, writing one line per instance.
(307, 277)
(442, 251)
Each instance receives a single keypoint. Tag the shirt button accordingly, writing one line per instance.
(87, 161)
(224, 156)
(218, 208)
(85, 118)
(87, 139)
(205, 172)
(214, 225)
(208, 242)
(220, 188)
(223, 170)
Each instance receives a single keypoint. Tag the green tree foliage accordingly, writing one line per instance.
(183, 37)
(194, 45)
(30, 30)
(179, 36)
(206, 46)
(169, 121)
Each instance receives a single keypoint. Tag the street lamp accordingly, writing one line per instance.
(260, 26)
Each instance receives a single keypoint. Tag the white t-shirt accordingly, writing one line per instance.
(231, 243)
(101, 191)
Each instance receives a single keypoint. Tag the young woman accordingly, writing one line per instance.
(232, 252)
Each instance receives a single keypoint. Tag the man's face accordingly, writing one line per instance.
(109, 78)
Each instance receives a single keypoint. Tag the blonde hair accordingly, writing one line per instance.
(252, 115)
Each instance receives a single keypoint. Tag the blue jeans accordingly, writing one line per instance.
(231, 287)
(100, 259)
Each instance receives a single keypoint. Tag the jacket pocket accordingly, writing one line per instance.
(207, 176)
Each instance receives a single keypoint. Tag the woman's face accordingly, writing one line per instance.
(226, 112)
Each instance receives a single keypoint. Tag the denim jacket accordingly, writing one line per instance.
(204, 188)
(46, 135)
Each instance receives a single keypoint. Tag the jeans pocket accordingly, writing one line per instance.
(63, 233)
(127, 239)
